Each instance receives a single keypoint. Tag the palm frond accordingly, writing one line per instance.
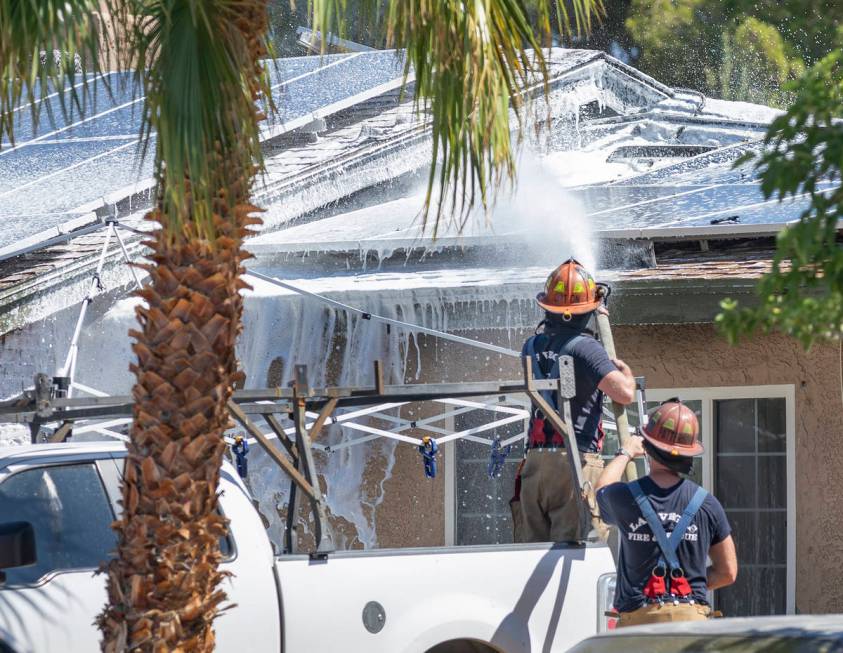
(473, 61)
(567, 17)
(201, 93)
(31, 31)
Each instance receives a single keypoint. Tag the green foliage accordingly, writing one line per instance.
(807, 26)
(803, 157)
(473, 62)
(30, 27)
(675, 40)
(756, 65)
(737, 49)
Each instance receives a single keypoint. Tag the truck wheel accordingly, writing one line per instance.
(463, 646)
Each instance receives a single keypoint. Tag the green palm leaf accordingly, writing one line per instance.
(32, 28)
(195, 67)
(473, 61)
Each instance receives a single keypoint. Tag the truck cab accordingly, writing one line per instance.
(69, 494)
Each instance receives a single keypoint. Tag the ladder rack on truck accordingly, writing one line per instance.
(47, 403)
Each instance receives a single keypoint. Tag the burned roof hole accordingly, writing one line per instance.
(658, 151)
(669, 249)
(595, 109)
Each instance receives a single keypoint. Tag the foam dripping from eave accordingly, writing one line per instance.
(340, 349)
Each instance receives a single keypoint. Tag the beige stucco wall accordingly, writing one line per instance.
(412, 512)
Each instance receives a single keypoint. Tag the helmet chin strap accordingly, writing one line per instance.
(679, 466)
(655, 464)
(567, 318)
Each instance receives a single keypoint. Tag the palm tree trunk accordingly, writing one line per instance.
(164, 583)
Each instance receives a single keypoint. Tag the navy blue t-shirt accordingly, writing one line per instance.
(639, 552)
(591, 365)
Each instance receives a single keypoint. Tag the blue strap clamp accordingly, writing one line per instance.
(241, 450)
(498, 458)
(428, 449)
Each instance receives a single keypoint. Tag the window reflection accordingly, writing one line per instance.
(70, 513)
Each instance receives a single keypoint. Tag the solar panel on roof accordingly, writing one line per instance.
(690, 193)
(658, 207)
(284, 70)
(337, 84)
(712, 167)
(48, 199)
(77, 161)
(112, 96)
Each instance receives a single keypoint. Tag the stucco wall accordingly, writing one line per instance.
(413, 510)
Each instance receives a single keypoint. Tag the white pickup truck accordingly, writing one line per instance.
(484, 599)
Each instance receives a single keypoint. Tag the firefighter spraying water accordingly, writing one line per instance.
(547, 507)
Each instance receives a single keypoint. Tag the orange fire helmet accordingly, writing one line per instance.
(569, 290)
(674, 429)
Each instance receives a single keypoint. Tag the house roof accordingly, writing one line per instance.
(72, 165)
(619, 142)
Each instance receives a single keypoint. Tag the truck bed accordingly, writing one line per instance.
(518, 598)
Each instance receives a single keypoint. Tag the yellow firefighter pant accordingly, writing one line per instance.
(657, 614)
(548, 503)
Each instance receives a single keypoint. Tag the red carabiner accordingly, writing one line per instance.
(656, 588)
(679, 585)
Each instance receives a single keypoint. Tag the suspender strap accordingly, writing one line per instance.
(668, 545)
(530, 350)
(654, 523)
(687, 516)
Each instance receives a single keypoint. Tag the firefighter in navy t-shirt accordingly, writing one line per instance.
(668, 525)
(545, 508)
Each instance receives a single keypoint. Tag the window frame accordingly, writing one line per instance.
(22, 469)
(708, 395)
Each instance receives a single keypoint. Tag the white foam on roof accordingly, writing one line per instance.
(742, 111)
(400, 281)
(540, 212)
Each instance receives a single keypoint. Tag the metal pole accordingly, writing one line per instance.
(290, 535)
(276, 426)
(69, 368)
(618, 410)
(276, 455)
(128, 260)
(643, 418)
(61, 434)
(301, 390)
(291, 540)
(387, 320)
